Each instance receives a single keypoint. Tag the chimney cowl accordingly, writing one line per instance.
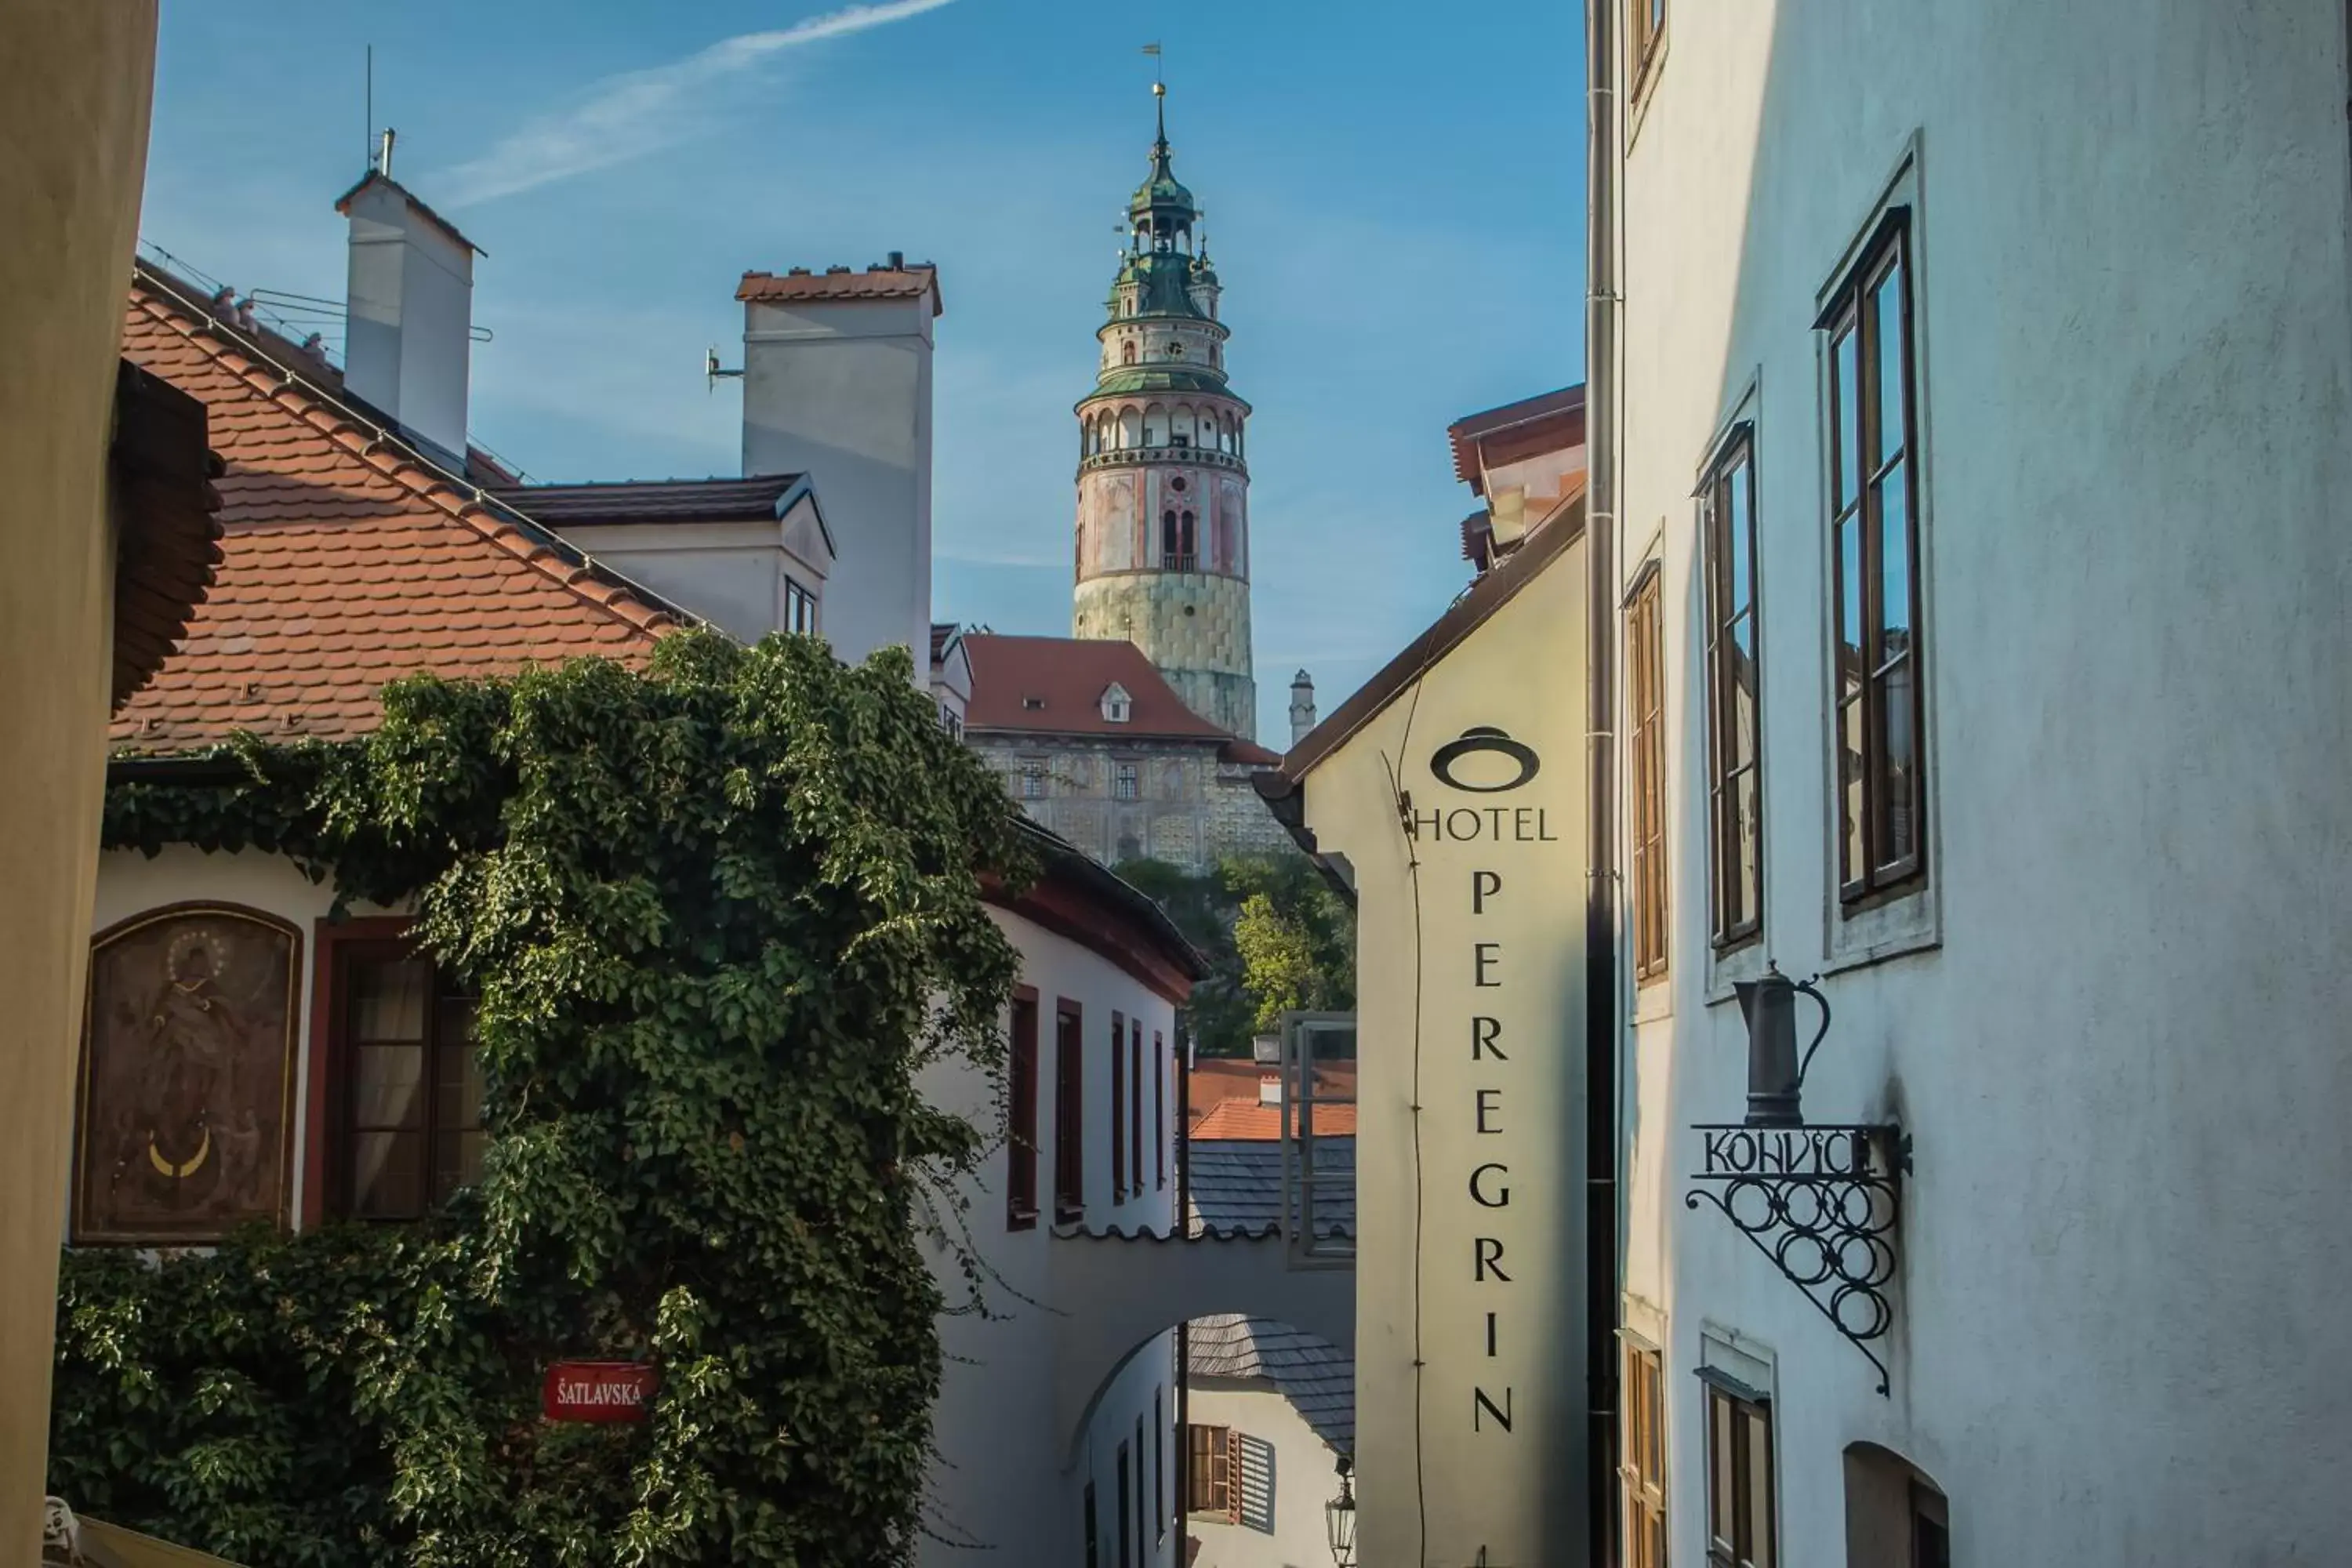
(897, 261)
(832, 270)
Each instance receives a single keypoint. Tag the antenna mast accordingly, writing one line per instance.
(368, 141)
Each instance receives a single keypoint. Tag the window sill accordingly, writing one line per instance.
(1863, 934)
(1725, 968)
(1025, 1221)
(1653, 998)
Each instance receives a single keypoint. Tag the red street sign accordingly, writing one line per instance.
(597, 1391)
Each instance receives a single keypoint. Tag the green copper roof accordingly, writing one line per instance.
(1161, 191)
(1165, 376)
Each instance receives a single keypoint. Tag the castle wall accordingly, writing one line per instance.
(1194, 626)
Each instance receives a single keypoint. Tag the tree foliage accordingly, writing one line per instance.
(718, 917)
(1275, 934)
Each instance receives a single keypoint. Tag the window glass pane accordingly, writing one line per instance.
(1850, 668)
(1748, 849)
(1886, 329)
(387, 1175)
(1893, 562)
(1760, 1489)
(1850, 784)
(1720, 1472)
(1741, 544)
(457, 1161)
(458, 1086)
(1846, 400)
(387, 1085)
(1739, 675)
(1897, 832)
(388, 999)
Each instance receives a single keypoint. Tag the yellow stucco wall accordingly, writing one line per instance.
(1470, 967)
(75, 82)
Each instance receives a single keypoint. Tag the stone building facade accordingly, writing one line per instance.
(1162, 556)
(1100, 749)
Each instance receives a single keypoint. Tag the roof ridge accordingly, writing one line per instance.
(638, 608)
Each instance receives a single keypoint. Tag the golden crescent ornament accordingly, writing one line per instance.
(203, 1148)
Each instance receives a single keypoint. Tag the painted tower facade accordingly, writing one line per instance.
(1163, 487)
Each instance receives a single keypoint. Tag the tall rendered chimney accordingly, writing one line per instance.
(410, 302)
(837, 387)
(1302, 706)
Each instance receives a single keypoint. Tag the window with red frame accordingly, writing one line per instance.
(1117, 1108)
(1070, 1115)
(1020, 1119)
(410, 1117)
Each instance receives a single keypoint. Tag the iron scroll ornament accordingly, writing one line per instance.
(1485, 738)
(1823, 1203)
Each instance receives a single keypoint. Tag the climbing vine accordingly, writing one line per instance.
(718, 915)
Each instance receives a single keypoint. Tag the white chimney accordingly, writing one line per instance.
(1302, 706)
(837, 387)
(410, 298)
(1269, 1089)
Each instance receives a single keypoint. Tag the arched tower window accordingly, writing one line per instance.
(1127, 352)
(1171, 542)
(1185, 541)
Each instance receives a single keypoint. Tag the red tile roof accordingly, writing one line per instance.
(877, 282)
(1247, 1121)
(348, 560)
(1054, 685)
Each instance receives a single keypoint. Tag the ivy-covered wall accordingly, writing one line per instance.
(718, 917)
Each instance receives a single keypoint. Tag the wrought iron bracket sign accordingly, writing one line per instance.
(1823, 1203)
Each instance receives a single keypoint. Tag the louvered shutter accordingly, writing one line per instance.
(1230, 1478)
(1253, 1485)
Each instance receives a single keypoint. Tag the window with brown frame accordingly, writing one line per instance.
(1879, 733)
(1735, 786)
(1645, 30)
(1135, 1107)
(1159, 1111)
(1645, 695)
(1643, 1471)
(1069, 1116)
(1021, 1118)
(1739, 1522)
(412, 1083)
(1210, 1475)
(1117, 1108)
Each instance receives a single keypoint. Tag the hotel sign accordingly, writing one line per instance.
(597, 1391)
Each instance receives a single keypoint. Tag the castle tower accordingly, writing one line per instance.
(1163, 493)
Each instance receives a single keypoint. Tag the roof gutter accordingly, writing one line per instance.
(1604, 1293)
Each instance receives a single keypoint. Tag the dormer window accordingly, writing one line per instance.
(1115, 703)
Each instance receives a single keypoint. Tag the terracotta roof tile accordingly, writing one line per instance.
(1054, 685)
(347, 560)
(900, 283)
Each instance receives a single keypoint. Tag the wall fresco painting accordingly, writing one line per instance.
(187, 1074)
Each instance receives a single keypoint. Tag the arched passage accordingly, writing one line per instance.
(1127, 1291)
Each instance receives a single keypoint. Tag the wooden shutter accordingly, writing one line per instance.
(1229, 1479)
(1118, 1107)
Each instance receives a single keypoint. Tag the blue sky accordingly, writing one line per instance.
(1394, 195)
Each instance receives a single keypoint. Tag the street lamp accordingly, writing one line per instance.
(1339, 1519)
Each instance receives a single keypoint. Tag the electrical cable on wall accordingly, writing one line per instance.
(1403, 801)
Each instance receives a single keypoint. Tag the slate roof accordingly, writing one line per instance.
(877, 282)
(1237, 1185)
(1317, 1378)
(653, 500)
(347, 558)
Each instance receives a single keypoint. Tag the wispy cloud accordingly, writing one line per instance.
(636, 112)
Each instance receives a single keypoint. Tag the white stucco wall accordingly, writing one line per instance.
(1305, 1478)
(730, 574)
(2118, 1041)
(841, 391)
(1497, 1196)
(1009, 1476)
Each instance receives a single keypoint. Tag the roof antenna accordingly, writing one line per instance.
(712, 371)
(367, 142)
(384, 161)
